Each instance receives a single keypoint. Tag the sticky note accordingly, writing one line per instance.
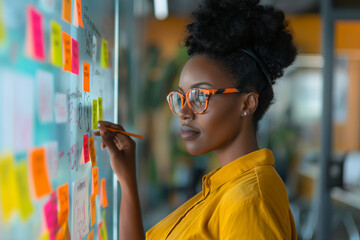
(80, 214)
(95, 181)
(45, 236)
(25, 205)
(100, 109)
(55, 44)
(63, 233)
(40, 177)
(104, 57)
(67, 57)
(94, 114)
(66, 11)
(102, 231)
(92, 151)
(103, 196)
(35, 43)
(2, 29)
(91, 235)
(8, 186)
(92, 209)
(86, 77)
(77, 17)
(45, 85)
(86, 147)
(75, 56)
(61, 113)
(52, 158)
(51, 216)
(63, 196)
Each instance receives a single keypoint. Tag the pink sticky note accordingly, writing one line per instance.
(51, 216)
(86, 147)
(36, 27)
(75, 56)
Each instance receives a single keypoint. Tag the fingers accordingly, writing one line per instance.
(108, 139)
(112, 125)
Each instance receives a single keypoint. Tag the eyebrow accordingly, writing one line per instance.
(197, 85)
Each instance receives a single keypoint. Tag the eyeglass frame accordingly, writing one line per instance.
(208, 93)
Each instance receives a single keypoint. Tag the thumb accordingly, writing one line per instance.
(108, 139)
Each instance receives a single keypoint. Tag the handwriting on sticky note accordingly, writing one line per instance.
(55, 44)
(104, 58)
(75, 56)
(95, 180)
(94, 114)
(67, 52)
(92, 209)
(100, 109)
(66, 10)
(25, 205)
(63, 196)
(51, 216)
(91, 235)
(103, 196)
(79, 13)
(39, 172)
(35, 46)
(86, 77)
(80, 201)
(86, 147)
(92, 151)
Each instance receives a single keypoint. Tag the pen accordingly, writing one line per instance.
(120, 131)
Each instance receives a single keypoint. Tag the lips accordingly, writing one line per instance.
(189, 133)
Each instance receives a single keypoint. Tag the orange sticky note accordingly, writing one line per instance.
(86, 77)
(91, 235)
(64, 233)
(63, 196)
(67, 56)
(66, 11)
(92, 151)
(103, 195)
(39, 172)
(95, 180)
(92, 209)
(77, 18)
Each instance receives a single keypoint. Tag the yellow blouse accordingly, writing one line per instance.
(246, 199)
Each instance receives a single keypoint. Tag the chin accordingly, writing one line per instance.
(196, 150)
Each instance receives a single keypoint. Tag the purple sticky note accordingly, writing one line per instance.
(75, 56)
(86, 147)
(51, 216)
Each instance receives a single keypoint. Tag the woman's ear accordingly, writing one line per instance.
(251, 102)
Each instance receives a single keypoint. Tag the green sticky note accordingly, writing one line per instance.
(25, 205)
(95, 114)
(100, 109)
(104, 58)
(55, 44)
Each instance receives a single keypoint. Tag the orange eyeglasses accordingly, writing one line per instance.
(197, 98)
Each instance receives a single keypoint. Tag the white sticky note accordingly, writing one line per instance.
(45, 96)
(52, 158)
(61, 113)
(6, 109)
(80, 209)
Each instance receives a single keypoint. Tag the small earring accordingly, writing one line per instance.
(245, 113)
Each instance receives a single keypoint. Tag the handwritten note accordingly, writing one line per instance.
(60, 108)
(104, 58)
(51, 217)
(40, 178)
(25, 205)
(52, 157)
(63, 196)
(92, 209)
(86, 147)
(86, 77)
(103, 196)
(95, 181)
(66, 11)
(8, 186)
(63, 233)
(100, 109)
(67, 52)
(45, 82)
(91, 235)
(94, 114)
(75, 56)
(92, 151)
(35, 43)
(80, 214)
(77, 17)
(55, 44)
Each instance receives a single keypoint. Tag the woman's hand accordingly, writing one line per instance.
(122, 151)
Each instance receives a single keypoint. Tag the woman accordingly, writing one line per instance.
(237, 49)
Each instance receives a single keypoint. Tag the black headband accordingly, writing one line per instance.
(262, 66)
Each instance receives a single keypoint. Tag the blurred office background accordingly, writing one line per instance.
(313, 128)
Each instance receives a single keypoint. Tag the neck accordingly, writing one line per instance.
(244, 143)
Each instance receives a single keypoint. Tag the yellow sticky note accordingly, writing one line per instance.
(45, 236)
(25, 205)
(100, 109)
(55, 44)
(2, 29)
(92, 209)
(103, 231)
(63, 196)
(92, 151)
(91, 235)
(8, 186)
(94, 114)
(104, 57)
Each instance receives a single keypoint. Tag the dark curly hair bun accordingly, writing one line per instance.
(222, 29)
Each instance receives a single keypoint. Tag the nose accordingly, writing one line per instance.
(186, 112)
